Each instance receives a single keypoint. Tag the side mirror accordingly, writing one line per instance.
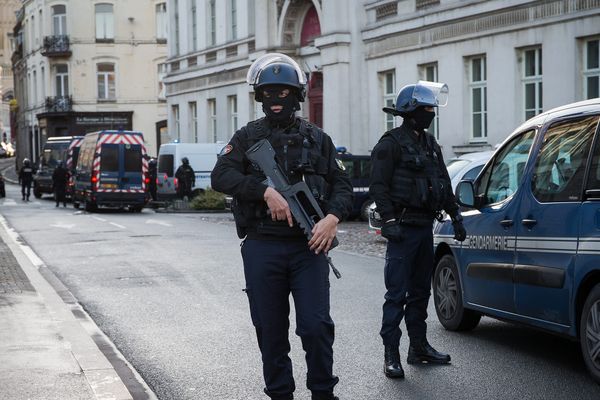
(465, 194)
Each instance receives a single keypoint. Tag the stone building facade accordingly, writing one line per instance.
(503, 60)
(82, 66)
(8, 9)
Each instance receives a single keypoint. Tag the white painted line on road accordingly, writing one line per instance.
(64, 226)
(99, 219)
(9, 202)
(14, 235)
(157, 222)
(117, 225)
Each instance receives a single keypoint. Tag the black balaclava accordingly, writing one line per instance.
(290, 103)
(420, 118)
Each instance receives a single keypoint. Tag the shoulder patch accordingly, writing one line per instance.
(340, 164)
(226, 150)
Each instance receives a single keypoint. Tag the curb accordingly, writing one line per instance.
(107, 372)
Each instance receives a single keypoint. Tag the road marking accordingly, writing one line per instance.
(99, 219)
(9, 202)
(65, 226)
(117, 225)
(157, 222)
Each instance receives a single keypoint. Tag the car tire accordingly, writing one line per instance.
(447, 291)
(89, 206)
(76, 204)
(589, 332)
(36, 192)
(364, 210)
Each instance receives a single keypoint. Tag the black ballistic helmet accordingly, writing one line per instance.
(276, 69)
(185, 161)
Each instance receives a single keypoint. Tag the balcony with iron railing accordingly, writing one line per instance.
(59, 104)
(57, 46)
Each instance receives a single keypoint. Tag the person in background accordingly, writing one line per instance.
(60, 178)
(26, 178)
(152, 178)
(186, 179)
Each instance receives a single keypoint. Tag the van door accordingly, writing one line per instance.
(548, 223)
(132, 176)
(487, 256)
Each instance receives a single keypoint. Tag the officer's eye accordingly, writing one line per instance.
(283, 94)
(266, 94)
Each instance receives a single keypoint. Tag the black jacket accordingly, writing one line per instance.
(234, 174)
(60, 177)
(393, 159)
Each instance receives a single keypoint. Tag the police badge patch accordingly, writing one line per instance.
(226, 150)
(340, 164)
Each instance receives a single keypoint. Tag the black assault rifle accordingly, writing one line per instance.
(303, 206)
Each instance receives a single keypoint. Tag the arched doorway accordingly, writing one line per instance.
(311, 28)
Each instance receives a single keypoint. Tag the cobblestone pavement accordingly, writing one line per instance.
(12, 277)
(354, 236)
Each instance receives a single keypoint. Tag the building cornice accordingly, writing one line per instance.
(203, 82)
(403, 37)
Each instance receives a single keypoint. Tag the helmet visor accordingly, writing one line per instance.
(263, 61)
(440, 93)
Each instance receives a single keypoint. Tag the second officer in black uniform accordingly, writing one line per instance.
(278, 258)
(410, 186)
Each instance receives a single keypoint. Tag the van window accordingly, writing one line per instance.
(75, 157)
(501, 178)
(165, 164)
(109, 161)
(53, 153)
(560, 167)
(593, 182)
(133, 158)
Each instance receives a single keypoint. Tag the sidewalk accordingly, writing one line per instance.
(49, 346)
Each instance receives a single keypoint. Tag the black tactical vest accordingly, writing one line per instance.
(417, 182)
(298, 152)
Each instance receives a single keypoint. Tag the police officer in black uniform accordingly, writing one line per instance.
(186, 179)
(278, 258)
(152, 173)
(26, 178)
(60, 178)
(411, 186)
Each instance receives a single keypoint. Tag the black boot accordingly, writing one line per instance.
(421, 351)
(392, 368)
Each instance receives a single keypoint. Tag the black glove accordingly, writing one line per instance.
(460, 233)
(392, 230)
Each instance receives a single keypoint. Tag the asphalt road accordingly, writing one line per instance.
(166, 288)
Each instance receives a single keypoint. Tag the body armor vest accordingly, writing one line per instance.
(298, 152)
(417, 182)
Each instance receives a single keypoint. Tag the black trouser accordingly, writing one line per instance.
(273, 270)
(60, 195)
(25, 189)
(408, 269)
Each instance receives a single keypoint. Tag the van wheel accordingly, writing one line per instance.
(89, 206)
(36, 192)
(448, 298)
(589, 332)
(76, 204)
(136, 209)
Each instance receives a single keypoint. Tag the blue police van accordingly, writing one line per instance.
(532, 254)
(112, 171)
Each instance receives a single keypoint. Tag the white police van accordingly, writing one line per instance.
(532, 253)
(202, 158)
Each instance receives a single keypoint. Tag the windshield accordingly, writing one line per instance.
(454, 166)
(53, 153)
